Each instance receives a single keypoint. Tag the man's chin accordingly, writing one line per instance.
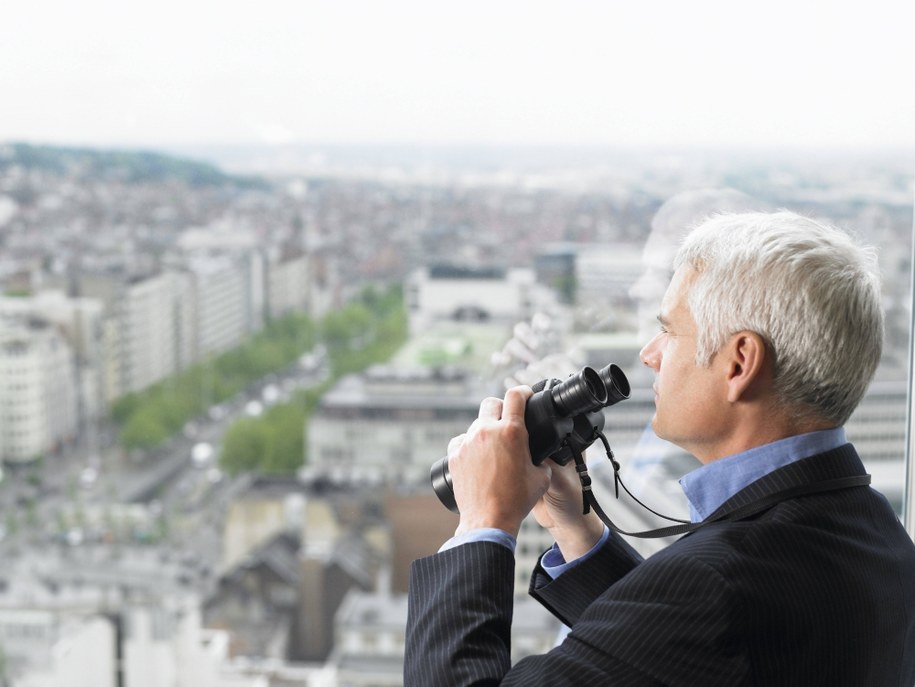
(658, 428)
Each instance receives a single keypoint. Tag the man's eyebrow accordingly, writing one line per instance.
(662, 320)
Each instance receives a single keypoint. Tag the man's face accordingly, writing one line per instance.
(690, 400)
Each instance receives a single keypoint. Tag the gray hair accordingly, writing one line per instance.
(807, 288)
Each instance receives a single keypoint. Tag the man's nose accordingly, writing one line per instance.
(650, 355)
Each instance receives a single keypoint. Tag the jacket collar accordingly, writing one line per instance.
(838, 463)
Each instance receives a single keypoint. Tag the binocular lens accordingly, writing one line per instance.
(580, 393)
(615, 384)
(442, 485)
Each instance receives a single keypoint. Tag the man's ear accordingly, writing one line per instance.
(747, 361)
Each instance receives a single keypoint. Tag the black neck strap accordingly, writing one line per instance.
(684, 527)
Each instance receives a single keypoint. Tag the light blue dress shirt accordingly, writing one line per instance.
(706, 488)
(709, 486)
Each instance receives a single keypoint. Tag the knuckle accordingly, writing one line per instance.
(523, 392)
(491, 403)
(516, 431)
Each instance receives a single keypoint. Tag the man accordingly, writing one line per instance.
(653, 460)
(770, 332)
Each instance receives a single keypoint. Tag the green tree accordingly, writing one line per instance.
(362, 333)
(144, 430)
(245, 446)
(284, 424)
(149, 417)
(347, 328)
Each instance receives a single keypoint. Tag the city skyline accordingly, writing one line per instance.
(510, 73)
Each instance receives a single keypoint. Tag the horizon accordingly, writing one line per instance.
(222, 155)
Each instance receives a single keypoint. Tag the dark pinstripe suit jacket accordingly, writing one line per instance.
(817, 590)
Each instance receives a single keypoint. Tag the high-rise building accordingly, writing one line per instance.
(147, 311)
(287, 284)
(81, 322)
(38, 401)
(219, 303)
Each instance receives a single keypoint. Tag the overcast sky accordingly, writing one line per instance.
(686, 72)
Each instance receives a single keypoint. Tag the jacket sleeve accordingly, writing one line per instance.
(460, 610)
(569, 595)
(459, 617)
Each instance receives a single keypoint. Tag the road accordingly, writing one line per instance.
(161, 493)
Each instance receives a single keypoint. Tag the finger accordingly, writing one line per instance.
(515, 401)
(490, 409)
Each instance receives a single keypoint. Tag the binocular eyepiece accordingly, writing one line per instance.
(562, 418)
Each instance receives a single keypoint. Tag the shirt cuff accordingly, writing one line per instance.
(489, 534)
(554, 564)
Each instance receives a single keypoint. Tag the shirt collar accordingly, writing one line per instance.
(709, 486)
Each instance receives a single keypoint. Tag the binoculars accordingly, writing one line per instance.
(562, 419)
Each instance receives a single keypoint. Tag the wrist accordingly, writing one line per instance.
(469, 524)
(576, 539)
(481, 535)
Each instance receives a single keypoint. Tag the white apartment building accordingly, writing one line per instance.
(287, 284)
(162, 324)
(109, 289)
(254, 269)
(37, 389)
(147, 312)
(81, 322)
(72, 651)
(135, 331)
(454, 293)
(219, 304)
(210, 253)
(111, 379)
(326, 287)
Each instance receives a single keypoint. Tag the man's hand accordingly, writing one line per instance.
(495, 482)
(560, 512)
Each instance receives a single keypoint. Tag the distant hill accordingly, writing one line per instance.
(120, 165)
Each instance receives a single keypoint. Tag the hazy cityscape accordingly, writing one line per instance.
(226, 373)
